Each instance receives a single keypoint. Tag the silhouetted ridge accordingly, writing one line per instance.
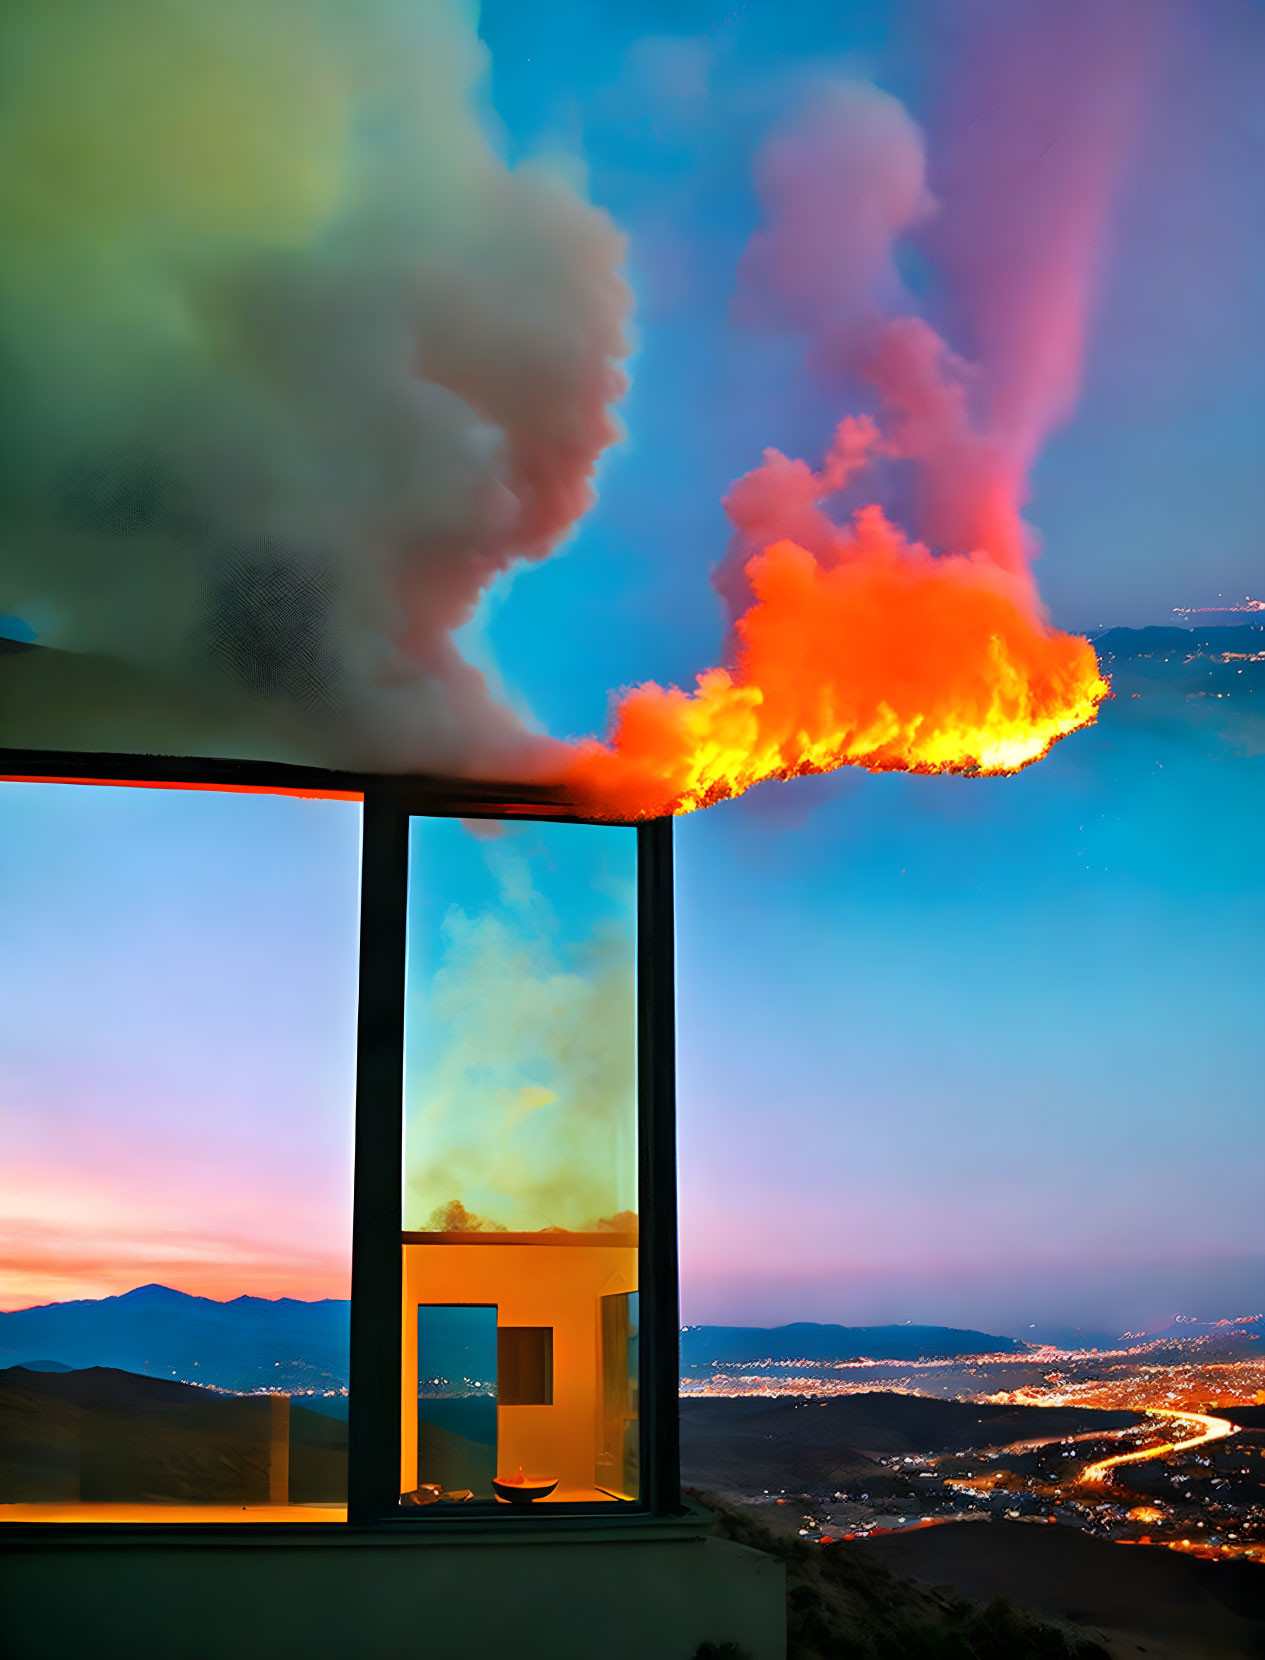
(245, 1344)
(804, 1340)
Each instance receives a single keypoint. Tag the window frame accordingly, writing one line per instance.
(389, 801)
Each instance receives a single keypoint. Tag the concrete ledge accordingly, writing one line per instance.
(630, 1598)
(451, 1525)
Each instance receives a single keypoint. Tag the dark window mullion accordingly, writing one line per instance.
(656, 1197)
(373, 1476)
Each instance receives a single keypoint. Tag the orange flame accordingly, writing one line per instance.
(856, 646)
(876, 654)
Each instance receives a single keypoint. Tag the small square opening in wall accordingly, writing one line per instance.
(524, 1365)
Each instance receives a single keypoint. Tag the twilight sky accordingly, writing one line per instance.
(177, 1042)
(981, 1052)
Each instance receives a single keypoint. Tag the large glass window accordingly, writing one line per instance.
(520, 1196)
(177, 1065)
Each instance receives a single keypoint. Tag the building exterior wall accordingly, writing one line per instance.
(370, 1598)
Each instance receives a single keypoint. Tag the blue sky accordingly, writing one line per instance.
(946, 1045)
(989, 1051)
(1151, 498)
(981, 1052)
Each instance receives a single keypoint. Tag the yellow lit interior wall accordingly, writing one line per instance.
(531, 1285)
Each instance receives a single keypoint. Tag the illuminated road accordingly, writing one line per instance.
(1210, 1429)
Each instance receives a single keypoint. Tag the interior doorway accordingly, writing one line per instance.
(456, 1398)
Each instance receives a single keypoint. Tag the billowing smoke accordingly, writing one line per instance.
(1029, 146)
(852, 642)
(521, 1095)
(295, 365)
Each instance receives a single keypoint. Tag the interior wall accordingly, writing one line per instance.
(557, 1285)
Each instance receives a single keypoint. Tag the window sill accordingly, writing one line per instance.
(407, 1532)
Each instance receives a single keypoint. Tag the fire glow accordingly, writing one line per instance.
(868, 651)
(853, 642)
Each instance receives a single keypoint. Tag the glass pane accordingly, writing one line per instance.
(456, 1403)
(521, 1134)
(619, 1450)
(177, 1058)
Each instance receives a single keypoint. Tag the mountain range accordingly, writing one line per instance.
(704, 1346)
(1201, 678)
(247, 1343)
(258, 1343)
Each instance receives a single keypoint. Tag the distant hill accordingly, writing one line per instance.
(1177, 643)
(703, 1346)
(1241, 1332)
(1209, 679)
(248, 1343)
(1075, 1337)
(1222, 1336)
(746, 1444)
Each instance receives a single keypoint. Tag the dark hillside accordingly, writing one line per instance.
(1137, 1597)
(750, 1444)
(102, 1435)
(845, 1605)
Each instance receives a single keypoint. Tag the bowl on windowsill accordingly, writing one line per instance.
(521, 1489)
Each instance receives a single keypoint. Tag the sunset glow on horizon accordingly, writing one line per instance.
(178, 979)
(44, 1263)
